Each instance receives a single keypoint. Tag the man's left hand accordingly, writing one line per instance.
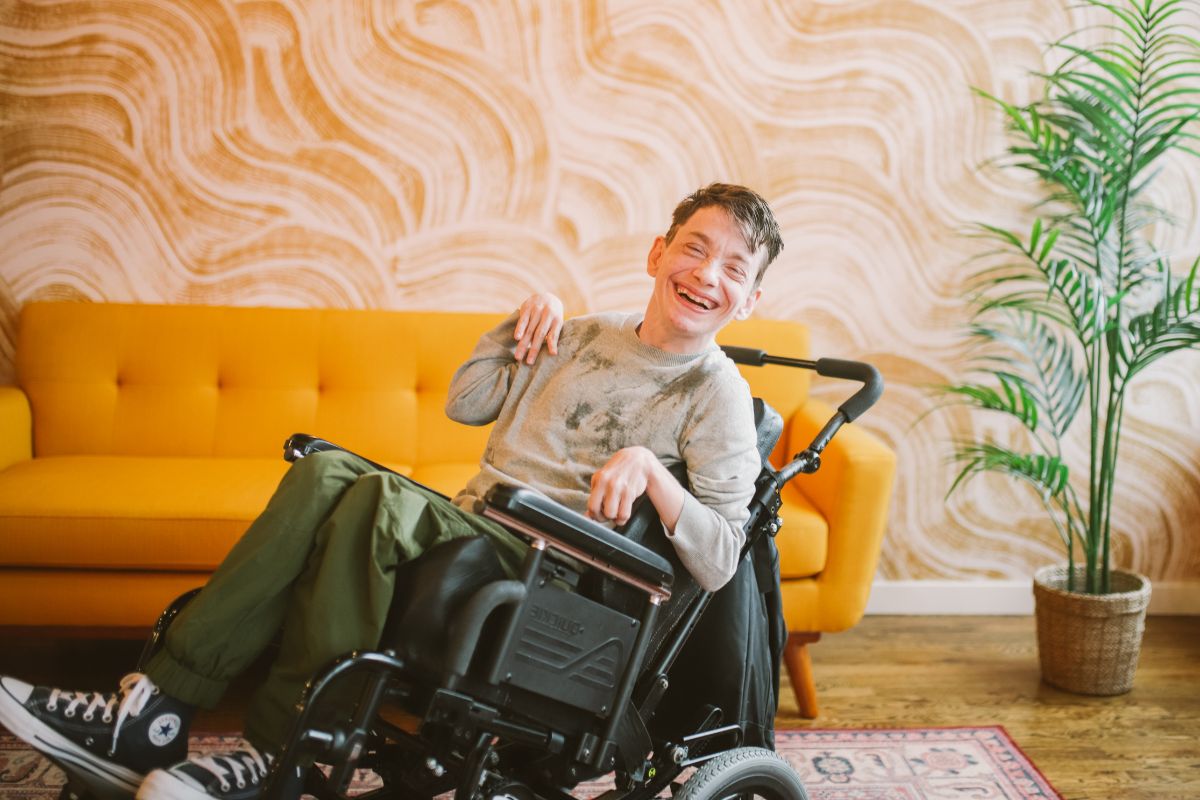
(627, 475)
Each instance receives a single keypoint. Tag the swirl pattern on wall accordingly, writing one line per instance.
(457, 154)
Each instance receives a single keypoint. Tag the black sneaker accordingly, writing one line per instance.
(232, 775)
(106, 741)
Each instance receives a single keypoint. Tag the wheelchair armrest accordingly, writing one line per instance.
(577, 531)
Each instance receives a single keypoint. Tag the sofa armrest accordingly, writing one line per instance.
(16, 427)
(852, 490)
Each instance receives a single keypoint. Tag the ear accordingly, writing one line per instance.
(747, 307)
(656, 251)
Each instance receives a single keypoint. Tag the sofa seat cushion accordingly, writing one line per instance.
(803, 541)
(126, 512)
(146, 513)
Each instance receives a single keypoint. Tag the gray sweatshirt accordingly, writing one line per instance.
(562, 418)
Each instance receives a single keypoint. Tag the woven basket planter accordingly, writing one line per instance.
(1089, 643)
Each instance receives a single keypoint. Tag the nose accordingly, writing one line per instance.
(706, 271)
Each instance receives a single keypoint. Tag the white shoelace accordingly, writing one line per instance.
(244, 761)
(135, 691)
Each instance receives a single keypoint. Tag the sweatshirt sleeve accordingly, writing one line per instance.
(721, 453)
(480, 386)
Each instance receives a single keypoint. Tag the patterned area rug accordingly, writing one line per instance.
(904, 764)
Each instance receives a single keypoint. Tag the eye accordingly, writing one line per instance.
(694, 249)
(735, 272)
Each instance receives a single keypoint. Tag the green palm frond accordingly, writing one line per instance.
(1172, 325)
(1049, 475)
(1035, 357)
(1042, 285)
(1109, 114)
(1012, 398)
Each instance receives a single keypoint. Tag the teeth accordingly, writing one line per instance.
(697, 300)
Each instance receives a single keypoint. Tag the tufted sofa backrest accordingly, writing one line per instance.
(187, 380)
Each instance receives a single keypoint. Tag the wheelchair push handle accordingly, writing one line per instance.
(859, 371)
(809, 460)
(865, 374)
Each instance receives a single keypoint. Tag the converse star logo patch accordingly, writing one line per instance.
(164, 729)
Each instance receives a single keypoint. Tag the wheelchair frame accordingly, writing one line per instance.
(472, 740)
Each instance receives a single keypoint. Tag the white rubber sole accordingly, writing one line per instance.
(104, 778)
(161, 784)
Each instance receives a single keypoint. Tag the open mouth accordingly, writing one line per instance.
(698, 302)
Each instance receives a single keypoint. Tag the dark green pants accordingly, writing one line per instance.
(319, 565)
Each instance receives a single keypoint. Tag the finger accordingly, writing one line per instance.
(522, 321)
(535, 347)
(626, 510)
(533, 320)
(595, 504)
(612, 505)
(552, 337)
(533, 344)
(539, 335)
(522, 346)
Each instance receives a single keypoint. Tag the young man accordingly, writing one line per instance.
(592, 421)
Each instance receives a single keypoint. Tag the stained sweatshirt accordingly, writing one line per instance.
(562, 418)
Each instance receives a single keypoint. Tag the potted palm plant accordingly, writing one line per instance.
(1068, 314)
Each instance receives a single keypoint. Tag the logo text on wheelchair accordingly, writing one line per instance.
(553, 619)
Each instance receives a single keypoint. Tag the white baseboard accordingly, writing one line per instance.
(998, 598)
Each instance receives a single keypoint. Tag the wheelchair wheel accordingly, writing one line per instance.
(744, 773)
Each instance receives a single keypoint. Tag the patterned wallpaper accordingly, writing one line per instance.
(458, 154)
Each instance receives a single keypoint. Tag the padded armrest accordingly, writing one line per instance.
(16, 427)
(575, 530)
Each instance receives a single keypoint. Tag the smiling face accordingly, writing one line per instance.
(704, 278)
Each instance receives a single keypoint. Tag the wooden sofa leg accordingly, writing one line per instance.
(799, 667)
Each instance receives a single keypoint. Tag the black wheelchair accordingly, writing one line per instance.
(524, 688)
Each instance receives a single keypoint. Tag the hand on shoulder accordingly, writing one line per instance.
(539, 322)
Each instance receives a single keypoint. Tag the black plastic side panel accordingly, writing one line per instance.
(569, 648)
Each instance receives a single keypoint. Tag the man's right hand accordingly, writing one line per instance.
(539, 322)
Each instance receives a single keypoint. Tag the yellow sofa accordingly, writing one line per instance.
(140, 440)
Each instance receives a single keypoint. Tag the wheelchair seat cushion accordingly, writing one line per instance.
(430, 590)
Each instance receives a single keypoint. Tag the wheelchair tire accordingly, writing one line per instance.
(744, 772)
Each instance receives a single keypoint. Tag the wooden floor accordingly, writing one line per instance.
(899, 672)
(926, 671)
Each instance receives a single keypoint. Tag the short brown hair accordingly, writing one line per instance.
(751, 211)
